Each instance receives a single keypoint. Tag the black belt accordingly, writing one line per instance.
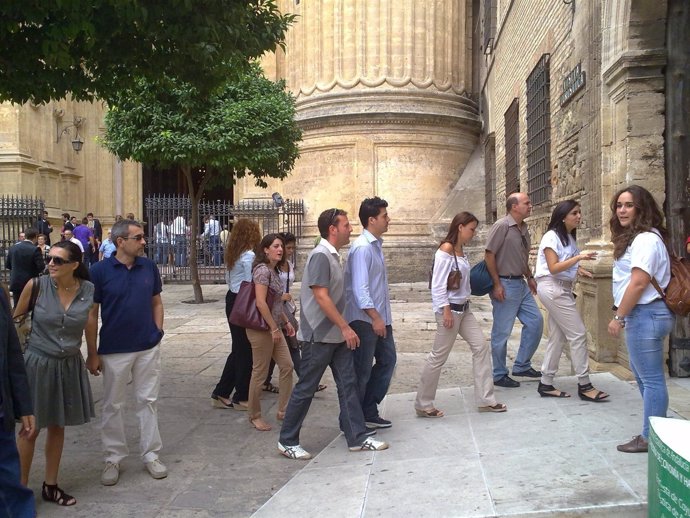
(512, 277)
(460, 308)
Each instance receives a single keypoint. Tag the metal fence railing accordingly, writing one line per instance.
(168, 229)
(16, 214)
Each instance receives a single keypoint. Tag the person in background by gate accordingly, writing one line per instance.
(25, 261)
(212, 235)
(178, 232)
(239, 256)
(44, 227)
(640, 253)
(161, 236)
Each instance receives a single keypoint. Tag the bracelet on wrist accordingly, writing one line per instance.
(276, 330)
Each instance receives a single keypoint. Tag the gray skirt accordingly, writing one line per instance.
(60, 389)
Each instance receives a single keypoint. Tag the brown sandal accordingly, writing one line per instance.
(498, 407)
(434, 412)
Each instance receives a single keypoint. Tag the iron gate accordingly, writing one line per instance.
(16, 214)
(168, 229)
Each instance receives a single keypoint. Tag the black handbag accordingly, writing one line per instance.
(244, 311)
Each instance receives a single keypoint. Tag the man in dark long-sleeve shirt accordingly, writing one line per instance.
(25, 261)
(15, 403)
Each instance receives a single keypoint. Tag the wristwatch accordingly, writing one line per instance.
(620, 320)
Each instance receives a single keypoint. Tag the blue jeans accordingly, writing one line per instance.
(373, 380)
(214, 246)
(180, 248)
(645, 329)
(162, 253)
(16, 500)
(519, 303)
(316, 356)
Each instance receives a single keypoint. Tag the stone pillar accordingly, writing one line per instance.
(381, 98)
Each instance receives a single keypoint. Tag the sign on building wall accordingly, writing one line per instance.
(573, 83)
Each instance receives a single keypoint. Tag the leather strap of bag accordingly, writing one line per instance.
(653, 280)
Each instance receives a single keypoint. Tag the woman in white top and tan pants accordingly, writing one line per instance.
(453, 317)
(557, 268)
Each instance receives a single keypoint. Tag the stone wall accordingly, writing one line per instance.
(608, 134)
(33, 162)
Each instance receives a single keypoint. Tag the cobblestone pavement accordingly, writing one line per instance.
(218, 464)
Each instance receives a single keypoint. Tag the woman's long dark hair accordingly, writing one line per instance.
(74, 255)
(558, 215)
(648, 215)
(462, 218)
(266, 242)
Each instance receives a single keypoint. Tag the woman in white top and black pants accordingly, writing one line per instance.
(557, 268)
(640, 255)
(453, 316)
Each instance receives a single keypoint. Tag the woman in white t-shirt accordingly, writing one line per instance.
(557, 268)
(640, 254)
(453, 317)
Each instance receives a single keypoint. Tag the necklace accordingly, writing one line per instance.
(74, 286)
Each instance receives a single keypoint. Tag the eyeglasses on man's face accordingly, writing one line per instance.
(138, 237)
(57, 261)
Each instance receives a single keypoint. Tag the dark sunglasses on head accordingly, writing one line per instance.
(334, 216)
(57, 261)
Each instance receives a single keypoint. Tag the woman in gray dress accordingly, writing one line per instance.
(55, 367)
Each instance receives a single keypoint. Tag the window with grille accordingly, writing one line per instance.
(512, 129)
(539, 133)
(490, 178)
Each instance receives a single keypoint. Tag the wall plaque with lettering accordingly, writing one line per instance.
(573, 83)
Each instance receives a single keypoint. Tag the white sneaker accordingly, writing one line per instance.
(111, 474)
(370, 444)
(294, 452)
(157, 469)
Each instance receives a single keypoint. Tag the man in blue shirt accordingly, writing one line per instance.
(128, 288)
(107, 248)
(368, 310)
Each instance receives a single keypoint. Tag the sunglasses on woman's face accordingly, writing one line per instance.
(57, 261)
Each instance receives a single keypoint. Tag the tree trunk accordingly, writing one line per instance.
(194, 197)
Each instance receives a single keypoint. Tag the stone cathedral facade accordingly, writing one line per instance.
(437, 106)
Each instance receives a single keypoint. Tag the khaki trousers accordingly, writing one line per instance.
(263, 350)
(466, 325)
(565, 324)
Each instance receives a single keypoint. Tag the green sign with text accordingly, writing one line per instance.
(669, 468)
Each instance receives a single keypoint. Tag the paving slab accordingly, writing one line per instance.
(543, 457)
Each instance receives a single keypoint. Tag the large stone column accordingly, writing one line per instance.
(382, 100)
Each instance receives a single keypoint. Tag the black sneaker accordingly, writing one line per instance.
(507, 382)
(370, 431)
(529, 373)
(378, 422)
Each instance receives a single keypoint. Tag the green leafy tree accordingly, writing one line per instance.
(93, 48)
(246, 127)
